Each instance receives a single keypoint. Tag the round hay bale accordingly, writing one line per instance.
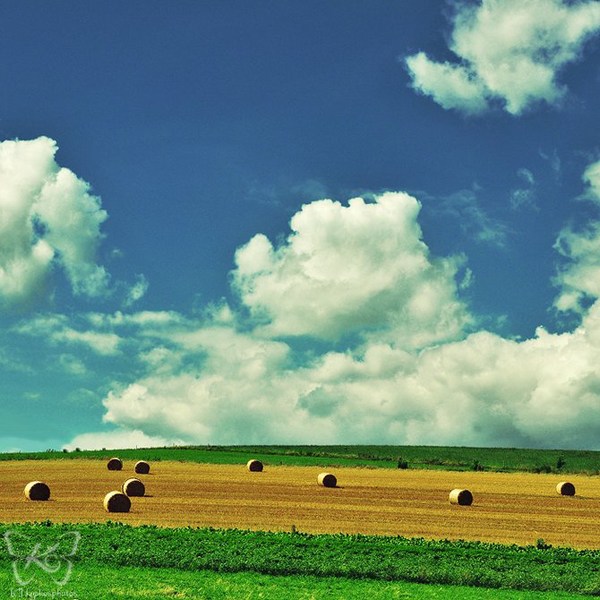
(142, 467)
(254, 465)
(461, 497)
(134, 487)
(37, 490)
(114, 464)
(564, 488)
(327, 480)
(117, 502)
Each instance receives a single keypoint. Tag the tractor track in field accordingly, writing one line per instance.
(508, 507)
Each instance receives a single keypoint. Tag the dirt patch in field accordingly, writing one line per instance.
(507, 508)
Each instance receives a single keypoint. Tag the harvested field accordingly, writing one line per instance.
(508, 508)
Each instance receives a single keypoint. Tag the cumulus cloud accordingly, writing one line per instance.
(450, 86)
(49, 218)
(244, 389)
(481, 390)
(356, 268)
(508, 51)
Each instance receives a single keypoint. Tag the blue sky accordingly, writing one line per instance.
(299, 222)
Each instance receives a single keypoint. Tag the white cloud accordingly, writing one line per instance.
(119, 438)
(57, 330)
(356, 268)
(592, 177)
(146, 319)
(479, 391)
(451, 86)
(48, 218)
(244, 390)
(579, 279)
(137, 291)
(509, 51)
(72, 218)
(102, 343)
(483, 390)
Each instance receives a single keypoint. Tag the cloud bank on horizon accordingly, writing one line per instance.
(511, 53)
(348, 328)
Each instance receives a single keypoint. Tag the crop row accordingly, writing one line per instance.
(354, 556)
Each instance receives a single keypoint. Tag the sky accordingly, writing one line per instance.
(259, 222)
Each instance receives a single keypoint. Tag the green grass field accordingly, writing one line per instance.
(417, 457)
(99, 582)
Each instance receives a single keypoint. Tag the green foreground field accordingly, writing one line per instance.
(351, 561)
(100, 582)
(418, 457)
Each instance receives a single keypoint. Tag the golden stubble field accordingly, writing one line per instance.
(508, 508)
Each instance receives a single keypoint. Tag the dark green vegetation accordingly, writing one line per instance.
(414, 457)
(353, 557)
